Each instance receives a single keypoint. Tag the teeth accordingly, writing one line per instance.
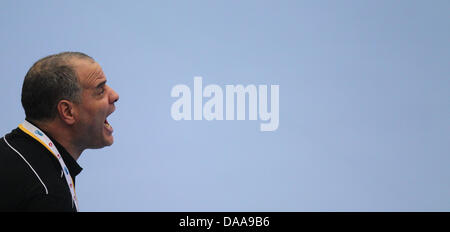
(107, 125)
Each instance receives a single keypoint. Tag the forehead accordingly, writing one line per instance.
(89, 72)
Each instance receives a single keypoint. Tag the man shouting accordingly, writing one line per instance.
(66, 102)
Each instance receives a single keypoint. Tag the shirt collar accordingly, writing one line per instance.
(71, 163)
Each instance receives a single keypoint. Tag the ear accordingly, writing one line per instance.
(67, 111)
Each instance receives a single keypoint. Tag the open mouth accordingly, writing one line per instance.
(108, 127)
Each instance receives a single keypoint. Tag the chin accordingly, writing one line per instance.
(105, 143)
(109, 141)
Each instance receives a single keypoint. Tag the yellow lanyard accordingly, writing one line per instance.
(42, 138)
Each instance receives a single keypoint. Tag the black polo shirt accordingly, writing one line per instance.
(38, 183)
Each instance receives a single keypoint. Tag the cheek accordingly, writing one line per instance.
(94, 112)
(89, 120)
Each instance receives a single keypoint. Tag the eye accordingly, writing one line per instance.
(101, 90)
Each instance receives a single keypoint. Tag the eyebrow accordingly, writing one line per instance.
(101, 84)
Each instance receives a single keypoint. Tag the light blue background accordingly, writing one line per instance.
(364, 101)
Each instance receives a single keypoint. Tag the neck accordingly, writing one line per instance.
(62, 135)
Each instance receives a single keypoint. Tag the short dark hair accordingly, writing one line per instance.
(50, 80)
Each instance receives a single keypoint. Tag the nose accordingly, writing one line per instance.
(114, 97)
